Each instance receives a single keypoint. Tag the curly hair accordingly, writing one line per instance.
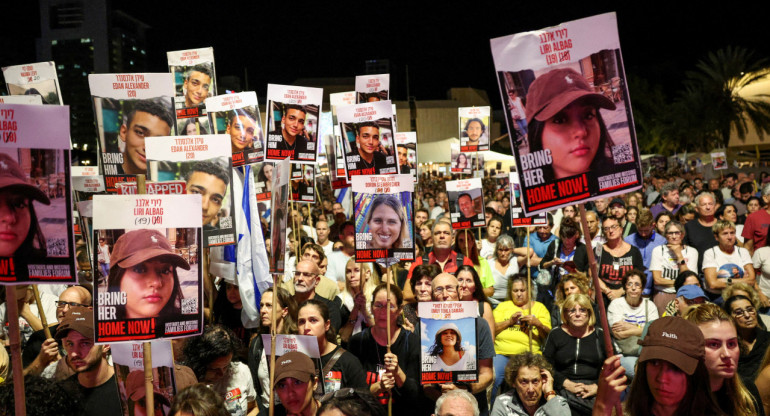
(216, 342)
(438, 348)
(198, 400)
(43, 397)
(525, 359)
(578, 279)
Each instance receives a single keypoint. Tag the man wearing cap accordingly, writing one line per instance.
(618, 210)
(688, 295)
(446, 288)
(295, 382)
(40, 352)
(136, 393)
(94, 377)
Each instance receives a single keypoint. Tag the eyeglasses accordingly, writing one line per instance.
(382, 306)
(440, 290)
(741, 312)
(61, 304)
(673, 233)
(610, 228)
(575, 311)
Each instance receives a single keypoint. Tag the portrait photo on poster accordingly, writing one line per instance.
(474, 128)
(263, 179)
(36, 204)
(125, 125)
(212, 179)
(447, 346)
(466, 203)
(576, 140)
(461, 163)
(372, 88)
(383, 217)
(293, 115)
(194, 79)
(302, 178)
(37, 79)
(279, 213)
(237, 116)
(406, 148)
(152, 289)
(128, 362)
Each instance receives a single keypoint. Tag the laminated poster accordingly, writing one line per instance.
(302, 178)
(518, 219)
(21, 99)
(552, 80)
(292, 122)
(35, 191)
(194, 81)
(474, 125)
(406, 148)
(237, 115)
(460, 163)
(204, 164)
(371, 88)
(153, 286)
(38, 79)
(129, 108)
(448, 342)
(718, 160)
(128, 361)
(383, 216)
(466, 203)
(367, 138)
(279, 212)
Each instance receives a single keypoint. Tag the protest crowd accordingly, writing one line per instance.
(593, 285)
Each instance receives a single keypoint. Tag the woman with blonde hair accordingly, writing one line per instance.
(721, 359)
(359, 284)
(570, 284)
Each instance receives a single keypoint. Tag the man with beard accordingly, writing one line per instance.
(420, 216)
(306, 278)
(531, 376)
(94, 377)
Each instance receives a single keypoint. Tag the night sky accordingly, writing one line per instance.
(444, 44)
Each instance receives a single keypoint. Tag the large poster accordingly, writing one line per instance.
(153, 287)
(371, 88)
(36, 239)
(448, 342)
(38, 79)
(292, 122)
(302, 179)
(367, 138)
(128, 361)
(237, 115)
(406, 148)
(474, 128)
(204, 163)
(466, 203)
(128, 108)
(334, 147)
(194, 81)
(576, 140)
(383, 213)
(279, 212)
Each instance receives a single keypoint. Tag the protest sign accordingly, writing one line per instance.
(459, 160)
(128, 361)
(263, 179)
(155, 238)
(371, 88)
(448, 342)
(292, 122)
(279, 213)
(474, 128)
(128, 108)
(406, 148)
(718, 160)
(383, 216)
(38, 79)
(518, 219)
(367, 138)
(21, 99)
(194, 81)
(306, 344)
(570, 74)
(237, 115)
(302, 178)
(204, 163)
(466, 203)
(153, 188)
(37, 245)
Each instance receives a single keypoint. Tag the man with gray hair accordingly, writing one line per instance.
(456, 403)
(755, 228)
(698, 233)
(669, 200)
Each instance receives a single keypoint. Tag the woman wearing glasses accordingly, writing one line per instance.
(576, 351)
(628, 315)
(668, 260)
(389, 374)
(514, 319)
(615, 258)
(754, 341)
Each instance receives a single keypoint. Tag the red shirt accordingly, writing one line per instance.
(449, 267)
(755, 228)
